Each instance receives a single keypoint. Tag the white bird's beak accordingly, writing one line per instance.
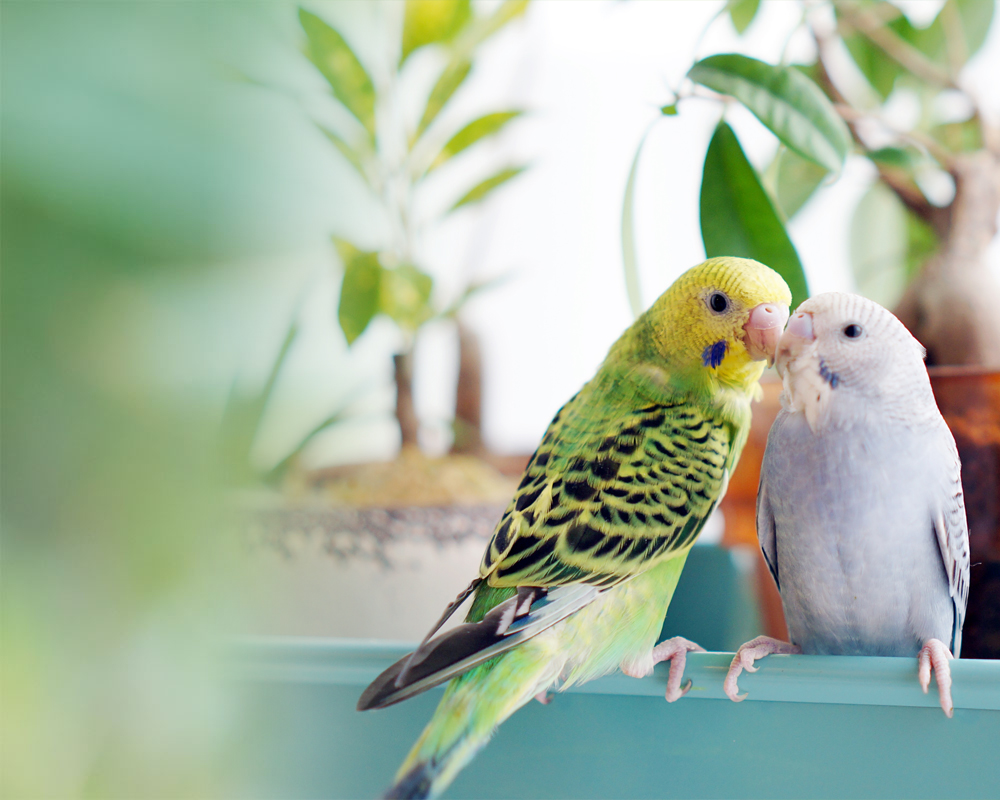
(797, 336)
(763, 330)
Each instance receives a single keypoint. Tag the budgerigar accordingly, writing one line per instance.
(860, 511)
(577, 577)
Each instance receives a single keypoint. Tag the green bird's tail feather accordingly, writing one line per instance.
(474, 704)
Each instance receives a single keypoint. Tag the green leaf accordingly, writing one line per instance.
(404, 296)
(959, 137)
(742, 12)
(354, 158)
(432, 21)
(921, 243)
(797, 179)
(480, 191)
(359, 290)
(878, 245)
(669, 110)
(976, 17)
(739, 219)
(484, 126)
(629, 260)
(452, 77)
(480, 30)
(786, 101)
(897, 157)
(334, 58)
(880, 70)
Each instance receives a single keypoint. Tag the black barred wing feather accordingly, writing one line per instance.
(605, 498)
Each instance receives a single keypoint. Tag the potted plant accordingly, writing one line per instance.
(918, 238)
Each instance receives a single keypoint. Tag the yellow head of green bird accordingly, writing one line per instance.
(712, 331)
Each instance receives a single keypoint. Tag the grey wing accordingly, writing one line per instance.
(766, 527)
(952, 532)
(766, 534)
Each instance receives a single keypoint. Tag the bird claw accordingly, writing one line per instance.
(675, 651)
(544, 698)
(744, 660)
(935, 655)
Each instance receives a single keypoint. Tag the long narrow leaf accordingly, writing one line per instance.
(739, 219)
(786, 101)
(334, 58)
(629, 260)
(480, 191)
(478, 129)
(431, 21)
(354, 158)
(480, 30)
(452, 77)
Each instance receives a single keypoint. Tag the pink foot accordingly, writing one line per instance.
(746, 655)
(544, 698)
(675, 651)
(935, 654)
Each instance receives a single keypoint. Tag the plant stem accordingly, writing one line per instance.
(468, 393)
(405, 412)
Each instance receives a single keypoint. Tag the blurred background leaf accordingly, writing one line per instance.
(447, 84)
(484, 188)
(360, 289)
(742, 12)
(337, 62)
(796, 180)
(478, 129)
(427, 22)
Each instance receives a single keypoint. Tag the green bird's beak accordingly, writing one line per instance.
(763, 329)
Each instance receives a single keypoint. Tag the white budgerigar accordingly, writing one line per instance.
(860, 512)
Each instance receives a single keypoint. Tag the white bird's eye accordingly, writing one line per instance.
(718, 302)
(853, 331)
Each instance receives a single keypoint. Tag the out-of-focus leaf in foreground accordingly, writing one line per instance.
(738, 218)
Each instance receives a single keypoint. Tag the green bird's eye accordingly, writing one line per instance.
(718, 302)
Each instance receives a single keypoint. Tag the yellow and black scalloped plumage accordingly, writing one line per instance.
(602, 497)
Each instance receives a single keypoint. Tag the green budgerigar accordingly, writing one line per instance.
(577, 577)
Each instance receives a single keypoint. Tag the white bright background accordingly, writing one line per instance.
(592, 76)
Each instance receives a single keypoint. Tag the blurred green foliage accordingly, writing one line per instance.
(395, 155)
(387, 281)
(123, 187)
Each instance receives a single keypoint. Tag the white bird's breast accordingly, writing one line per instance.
(858, 562)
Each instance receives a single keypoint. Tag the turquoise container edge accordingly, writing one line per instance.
(812, 726)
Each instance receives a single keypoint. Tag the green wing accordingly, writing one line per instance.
(606, 496)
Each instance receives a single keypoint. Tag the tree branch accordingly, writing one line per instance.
(893, 45)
